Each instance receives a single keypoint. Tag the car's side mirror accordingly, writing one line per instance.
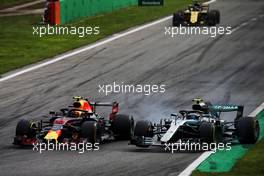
(52, 112)
(64, 110)
(174, 115)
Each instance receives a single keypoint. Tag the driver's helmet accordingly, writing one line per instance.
(81, 107)
(193, 116)
(196, 5)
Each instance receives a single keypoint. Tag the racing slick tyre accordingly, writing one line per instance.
(143, 128)
(123, 126)
(91, 130)
(211, 18)
(207, 132)
(24, 127)
(217, 16)
(178, 19)
(247, 130)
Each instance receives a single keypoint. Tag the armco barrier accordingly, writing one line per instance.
(74, 9)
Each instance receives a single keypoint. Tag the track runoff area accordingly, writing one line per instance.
(224, 160)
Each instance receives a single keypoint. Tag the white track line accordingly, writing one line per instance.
(209, 2)
(257, 110)
(188, 171)
(245, 23)
(89, 47)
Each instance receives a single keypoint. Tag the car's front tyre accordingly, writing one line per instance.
(247, 129)
(91, 131)
(123, 126)
(207, 132)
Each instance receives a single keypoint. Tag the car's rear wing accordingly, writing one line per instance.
(114, 105)
(216, 109)
(227, 108)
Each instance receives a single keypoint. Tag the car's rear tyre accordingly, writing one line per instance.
(144, 128)
(123, 126)
(24, 128)
(247, 130)
(178, 19)
(217, 16)
(211, 18)
(91, 131)
(207, 132)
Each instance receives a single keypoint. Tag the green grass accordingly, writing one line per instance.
(19, 47)
(10, 3)
(251, 164)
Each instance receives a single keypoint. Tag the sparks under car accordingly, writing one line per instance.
(201, 124)
(78, 123)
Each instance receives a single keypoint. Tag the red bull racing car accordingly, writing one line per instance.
(78, 123)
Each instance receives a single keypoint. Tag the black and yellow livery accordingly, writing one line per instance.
(197, 14)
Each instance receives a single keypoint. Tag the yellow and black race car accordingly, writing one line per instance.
(196, 14)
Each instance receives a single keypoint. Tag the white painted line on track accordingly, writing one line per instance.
(89, 47)
(235, 29)
(257, 110)
(209, 2)
(188, 170)
(244, 24)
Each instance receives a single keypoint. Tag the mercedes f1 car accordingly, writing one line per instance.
(196, 14)
(78, 123)
(202, 124)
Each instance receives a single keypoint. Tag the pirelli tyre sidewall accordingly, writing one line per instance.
(144, 128)
(178, 18)
(211, 18)
(26, 128)
(247, 129)
(123, 126)
(91, 131)
(207, 132)
(216, 16)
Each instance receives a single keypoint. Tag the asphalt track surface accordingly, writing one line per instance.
(227, 69)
